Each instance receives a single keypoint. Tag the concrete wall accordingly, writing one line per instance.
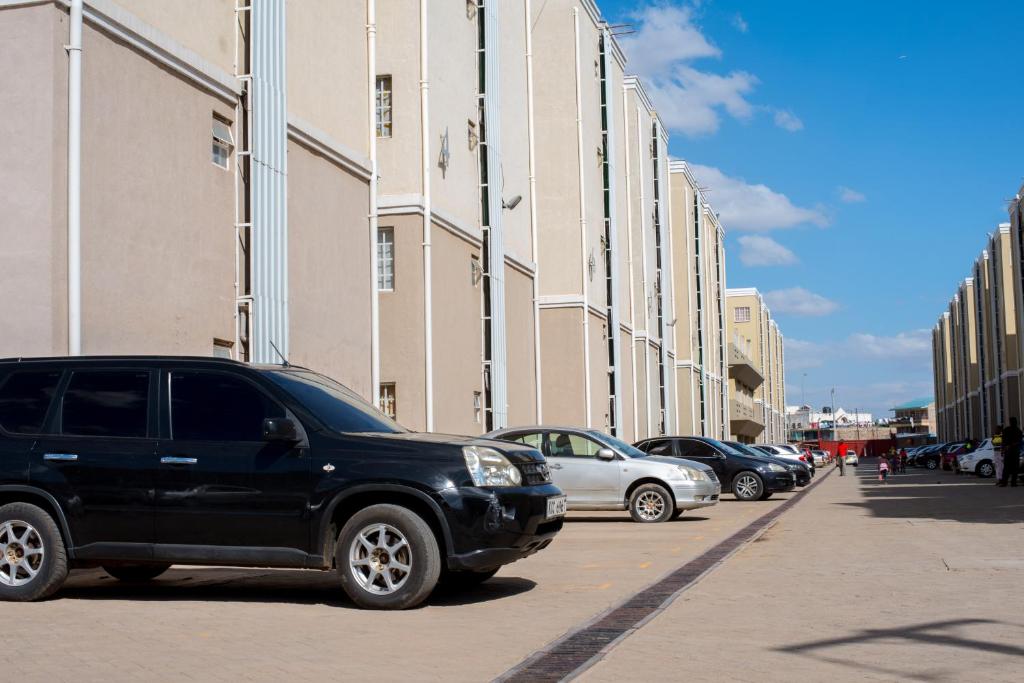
(205, 27)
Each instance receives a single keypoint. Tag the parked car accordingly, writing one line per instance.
(821, 458)
(138, 463)
(749, 477)
(799, 469)
(980, 461)
(600, 472)
(948, 456)
(852, 458)
(787, 452)
(922, 457)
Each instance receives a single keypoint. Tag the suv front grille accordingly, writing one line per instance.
(535, 473)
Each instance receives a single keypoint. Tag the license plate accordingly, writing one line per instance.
(556, 507)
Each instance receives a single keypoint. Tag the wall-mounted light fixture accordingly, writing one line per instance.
(512, 203)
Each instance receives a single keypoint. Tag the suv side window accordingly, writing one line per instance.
(106, 403)
(571, 445)
(25, 398)
(696, 449)
(658, 447)
(213, 406)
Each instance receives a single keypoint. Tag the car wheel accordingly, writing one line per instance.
(388, 558)
(136, 572)
(651, 503)
(985, 469)
(465, 579)
(33, 560)
(931, 463)
(747, 486)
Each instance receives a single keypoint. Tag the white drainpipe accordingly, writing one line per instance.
(533, 211)
(583, 221)
(428, 332)
(629, 259)
(74, 49)
(371, 68)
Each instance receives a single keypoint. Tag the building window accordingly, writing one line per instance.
(222, 348)
(743, 314)
(478, 406)
(386, 259)
(223, 142)
(383, 106)
(387, 399)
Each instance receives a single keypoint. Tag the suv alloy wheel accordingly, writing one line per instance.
(387, 558)
(33, 562)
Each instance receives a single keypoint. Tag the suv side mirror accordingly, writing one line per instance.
(280, 429)
(605, 454)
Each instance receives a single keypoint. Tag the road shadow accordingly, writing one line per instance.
(626, 519)
(953, 633)
(936, 495)
(262, 586)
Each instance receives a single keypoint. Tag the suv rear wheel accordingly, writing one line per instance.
(33, 560)
(387, 558)
(651, 503)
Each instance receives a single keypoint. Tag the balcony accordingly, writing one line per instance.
(742, 368)
(745, 419)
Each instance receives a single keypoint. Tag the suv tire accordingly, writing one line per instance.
(748, 486)
(932, 463)
(651, 503)
(28, 532)
(136, 572)
(985, 469)
(387, 558)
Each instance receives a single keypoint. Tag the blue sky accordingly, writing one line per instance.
(858, 152)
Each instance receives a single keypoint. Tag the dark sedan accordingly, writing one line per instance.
(801, 471)
(750, 477)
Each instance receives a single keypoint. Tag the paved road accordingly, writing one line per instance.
(817, 596)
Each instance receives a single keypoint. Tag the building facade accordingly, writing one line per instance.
(758, 413)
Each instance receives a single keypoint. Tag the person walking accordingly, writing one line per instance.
(903, 461)
(1012, 437)
(883, 469)
(841, 458)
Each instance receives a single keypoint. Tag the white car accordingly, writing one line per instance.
(820, 458)
(852, 458)
(980, 461)
(783, 451)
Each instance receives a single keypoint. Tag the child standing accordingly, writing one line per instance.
(883, 469)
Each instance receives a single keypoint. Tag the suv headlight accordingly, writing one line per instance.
(488, 467)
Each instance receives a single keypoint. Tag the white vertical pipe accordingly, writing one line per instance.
(613, 227)
(643, 269)
(583, 220)
(371, 73)
(674, 369)
(629, 263)
(538, 386)
(75, 180)
(428, 331)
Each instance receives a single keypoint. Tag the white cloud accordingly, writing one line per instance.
(803, 355)
(850, 196)
(758, 250)
(743, 206)
(912, 344)
(788, 120)
(799, 301)
(739, 23)
(691, 101)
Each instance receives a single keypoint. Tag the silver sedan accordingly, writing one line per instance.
(599, 472)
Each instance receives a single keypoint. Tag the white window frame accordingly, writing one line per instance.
(389, 399)
(741, 314)
(223, 140)
(384, 120)
(385, 259)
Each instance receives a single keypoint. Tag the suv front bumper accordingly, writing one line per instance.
(494, 527)
(691, 495)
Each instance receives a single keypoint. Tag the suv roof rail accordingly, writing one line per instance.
(31, 359)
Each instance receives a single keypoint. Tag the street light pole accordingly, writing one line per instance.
(835, 434)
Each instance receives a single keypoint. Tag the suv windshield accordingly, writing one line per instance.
(621, 446)
(337, 406)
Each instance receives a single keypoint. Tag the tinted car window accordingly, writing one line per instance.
(211, 406)
(696, 449)
(24, 399)
(658, 447)
(106, 403)
(335, 405)
(562, 444)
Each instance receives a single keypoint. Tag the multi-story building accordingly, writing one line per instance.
(975, 346)
(914, 419)
(187, 178)
(705, 359)
(759, 353)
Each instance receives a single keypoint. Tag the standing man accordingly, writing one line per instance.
(1012, 437)
(903, 461)
(841, 458)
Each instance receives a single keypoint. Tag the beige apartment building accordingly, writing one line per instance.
(758, 413)
(704, 363)
(976, 348)
(187, 178)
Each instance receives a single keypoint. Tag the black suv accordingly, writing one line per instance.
(137, 463)
(749, 477)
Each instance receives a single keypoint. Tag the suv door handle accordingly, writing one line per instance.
(60, 457)
(174, 460)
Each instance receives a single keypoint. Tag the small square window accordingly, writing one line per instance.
(387, 399)
(223, 143)
(742, 314)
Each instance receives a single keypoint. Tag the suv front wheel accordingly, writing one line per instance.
(387, 558)
(33, 561)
